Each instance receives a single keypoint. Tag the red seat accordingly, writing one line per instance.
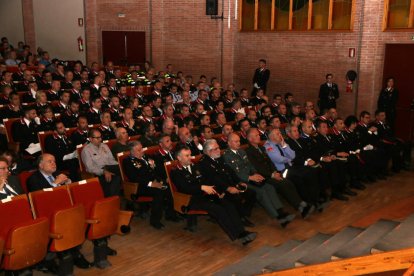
(23, 176)
(67, 221)
(103, 214)
(41, 135)
(8, 125)
(25, 238)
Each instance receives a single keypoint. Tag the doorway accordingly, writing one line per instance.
(398, 62)
(123, 48)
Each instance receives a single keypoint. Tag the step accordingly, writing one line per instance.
(361, 245)
(399, 238)
(324, 252)
(254, 263)
(288, 260)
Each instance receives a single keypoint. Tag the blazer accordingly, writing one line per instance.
(38, 182)
(239, 163)
(14, 183)
(261, 161)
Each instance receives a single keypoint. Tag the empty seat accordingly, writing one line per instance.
(67, 221)
(25, 239)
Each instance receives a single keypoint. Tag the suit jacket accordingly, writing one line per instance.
(38, 182)
(139, 171)
(14, 183)
(217, 173)
(239, 163)
(301, 154)
(261, 77)
(160, 158)
(24, 134)
(387, 101)
(328, 96)
(260, 161)
(58, 147)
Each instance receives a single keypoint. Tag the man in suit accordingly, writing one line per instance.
(9, 184)
(215, 171)
(106, 127)
(261, 76)
(186, 139)
(387, 101)
(47, 175)
(266, 195)
(188, 179)
(141, 169)
(94, 113)
(264, 166)
(24, 131)
(80, 135)
(60, 146)
(328, 93)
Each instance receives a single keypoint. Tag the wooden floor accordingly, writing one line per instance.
(173, 251)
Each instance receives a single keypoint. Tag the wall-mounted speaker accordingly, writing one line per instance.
(212, 7)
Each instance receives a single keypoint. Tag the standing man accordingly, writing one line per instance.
(261, 77)
(328, 94)
(387, 101)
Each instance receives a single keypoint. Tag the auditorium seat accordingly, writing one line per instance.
(67, 220)
(41, 135)
(103, 215)
(25, 239)
(8, 125)
(23, 176)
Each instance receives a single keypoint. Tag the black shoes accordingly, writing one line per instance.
(307, 211)
(285, 218)
(157, 225)
(349, 192)
(110, 251)
(357, 185)
(247, 237)
(246, 222)
(340, 197)
(81, 262)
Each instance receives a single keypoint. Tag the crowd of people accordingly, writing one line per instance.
(255, 149)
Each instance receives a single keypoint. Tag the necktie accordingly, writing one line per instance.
(8, 191)
(50, 178)
(169, 154)
(188, 168)
(280, 150)
(297, 143)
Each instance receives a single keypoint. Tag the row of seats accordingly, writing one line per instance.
(55, 220)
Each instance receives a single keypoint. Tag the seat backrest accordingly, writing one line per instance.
(168, 167)
(8, 125)
(13, 213)
(86, 192)
(70, 131)
(41, 135)
(121, 156)
(110, 143)
(79, 149)
(47, 202)
(151, 151)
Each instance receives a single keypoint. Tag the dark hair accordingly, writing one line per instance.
(363, 114)
(328, 75)
(351, 120)
(262, 60)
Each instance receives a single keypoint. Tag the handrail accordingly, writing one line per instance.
(386, 261)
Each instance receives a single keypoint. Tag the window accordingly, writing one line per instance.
(398, 14)
(296, 15)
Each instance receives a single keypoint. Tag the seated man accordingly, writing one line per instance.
(186, 177)
(62, 148)
(225, 181)
(186, 139)
(305, 179)
(25, 130)
(149, 138)
(122, 139)
(236, 158)
(106, 127)
(99, 161)
(264, 166)
(140, 169)
(80, 135)
(9, 184)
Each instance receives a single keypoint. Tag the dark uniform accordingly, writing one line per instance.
(24, 134)
(94, 117)
(79, 137)
(387, 101)
(328, 94)
(107, 132)
(69, 119)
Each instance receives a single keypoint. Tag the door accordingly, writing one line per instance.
(123, 48)
(399, 59)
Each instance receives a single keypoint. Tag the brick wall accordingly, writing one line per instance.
(184, 36)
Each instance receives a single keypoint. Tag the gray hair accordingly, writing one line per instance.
(118, 131)
(288, 128)
(132, 145)
(208, 145)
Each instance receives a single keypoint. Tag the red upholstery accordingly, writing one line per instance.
(8, 125)
(87, 194)
(45, 204)
(13, 213)
(23, 176)
(41, 135)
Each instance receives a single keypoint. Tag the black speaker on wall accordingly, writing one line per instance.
(211, 7)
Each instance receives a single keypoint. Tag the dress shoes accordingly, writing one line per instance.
(247, 237)
(340, 197)
(349, 192)
(157, 225)
(246, 222)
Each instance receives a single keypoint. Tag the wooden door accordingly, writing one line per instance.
(398, 63)
(135, 45)
(123, 48)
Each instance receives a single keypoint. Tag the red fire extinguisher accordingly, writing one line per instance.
(349, 86)
(80, 44)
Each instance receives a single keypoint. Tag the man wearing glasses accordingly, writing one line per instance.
(9, 185)
(98, 160)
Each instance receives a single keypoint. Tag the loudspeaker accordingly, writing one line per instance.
(212, 7)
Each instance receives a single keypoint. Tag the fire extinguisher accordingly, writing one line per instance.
(349, 86)
(351, 76)
(80, 44)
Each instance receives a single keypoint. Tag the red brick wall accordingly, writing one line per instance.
(28, 24)
(184, 36)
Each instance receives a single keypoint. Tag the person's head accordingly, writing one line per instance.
(261, 123)
(122, 135)
(65, 97)
(115, 102)
(60, 128)
(308, 106)
(189, 123)
(184, 134)
(236, 104)
(310, 114)
(277, 99)
(262, 63)
(200, 109)
(95, 137)
(202, 95)
(227, 129)
(266, 111)
(14, 99)
(275, 136)
(168, 110)
(339, 124)
(244, 125)
(332, 113)
(295, 108)
(206, 132)
(27, 75)
(128, 114)
(86, 94)
(289, 98)
(183, 155)
(233, 141)
(136, 149)
(244, 93)
(205, 120)
(322, 128)
(185, 110)
(221, 119)
(82, 123)
(274, 122)
(56, 85)
(281, 109)
(168, 126)
(390, 82)
(4, 167)
(295, 120)
(253, 136)
(149, 130)
(351, 122)
(260, 92)
(307, 127)
(30, 113)
(329, 78)
(365, 117)
(380, 115)
(164, 141)
(211, 148)
(292, 132)
(47, 163)
(147, 111)
(97, 103)
(157, 102)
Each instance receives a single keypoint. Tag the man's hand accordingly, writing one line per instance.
(60, 179)
(156, 184)
(233, 190)
(2, 182)
(311, 163)
(256, 177)
(372, 129)
(326, 159)
(342, 154)
(208, 189)
(277, 176)
(333, 157)
(108, 176)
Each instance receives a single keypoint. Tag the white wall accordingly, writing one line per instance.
(11, 21)
(56, 27)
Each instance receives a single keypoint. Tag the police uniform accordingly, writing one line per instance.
(25, 133)
(52, 95)
(107, 132)
(94, 116)
(79, 137)
(69, 118)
